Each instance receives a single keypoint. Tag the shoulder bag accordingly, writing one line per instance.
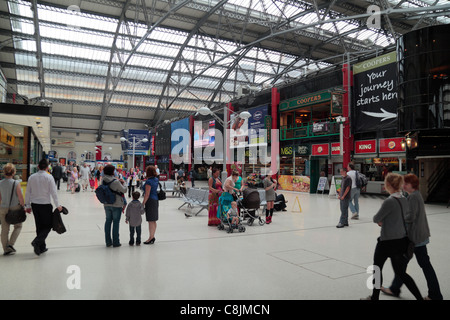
(16, 214)
(161, 193)
(411, 245)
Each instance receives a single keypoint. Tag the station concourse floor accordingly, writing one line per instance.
(299, 256)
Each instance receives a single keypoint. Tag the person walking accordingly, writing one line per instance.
(355, 191)
(135, 210)
(192, 175)
(73, 179)
(84, 176)
(113, 211)
(269, 186)
(344, 197)
(393, 240)
(9, 189)
(419, 233)
(151, 202)
(131, 181)
(41, 189)
(57, 174)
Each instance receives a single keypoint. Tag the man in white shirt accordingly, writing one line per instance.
(355, 192)
(40, 188)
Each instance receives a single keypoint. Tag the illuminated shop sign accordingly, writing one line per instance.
(336, 148)
(365, 146)
(305, 100)
(391, 145)
(322, 149)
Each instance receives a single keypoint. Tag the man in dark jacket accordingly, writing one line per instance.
(57, 174)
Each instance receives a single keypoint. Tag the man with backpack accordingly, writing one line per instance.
(355, 191)
(111, 194)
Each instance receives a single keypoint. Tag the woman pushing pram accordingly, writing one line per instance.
(225, 204)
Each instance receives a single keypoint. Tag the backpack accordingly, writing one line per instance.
(104, 193)
(361, 180)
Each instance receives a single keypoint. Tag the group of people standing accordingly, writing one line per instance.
(133, 210)
(42, 189)
(233, 184)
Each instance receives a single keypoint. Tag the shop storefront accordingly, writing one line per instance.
(294, 168)
(308, 134)
(20, 146)
(376, 157)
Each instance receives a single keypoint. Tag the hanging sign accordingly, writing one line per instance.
(375, 93)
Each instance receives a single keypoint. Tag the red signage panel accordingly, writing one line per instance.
(365, 146)
(322, 149)
(336, 148)
(391, 145)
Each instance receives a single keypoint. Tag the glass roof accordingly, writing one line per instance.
(76, 48)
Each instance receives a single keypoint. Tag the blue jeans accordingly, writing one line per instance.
(344, 211)
(354, 196)
(434, 291)
(113, 215)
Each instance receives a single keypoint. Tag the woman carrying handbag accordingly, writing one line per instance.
(9, 190)
(393, 240)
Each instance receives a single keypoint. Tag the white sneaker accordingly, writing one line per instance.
(355, 216)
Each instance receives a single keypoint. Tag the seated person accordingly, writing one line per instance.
(182, 185)
(280, 202)
(232, 214)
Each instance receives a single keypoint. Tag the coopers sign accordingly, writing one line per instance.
(306, 100)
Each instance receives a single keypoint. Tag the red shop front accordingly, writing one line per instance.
(376, 157)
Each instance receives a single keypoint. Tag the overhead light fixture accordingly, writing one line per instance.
(204, 111)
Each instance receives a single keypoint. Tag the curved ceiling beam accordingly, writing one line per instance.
(180, 53)
(110, 92)
(311, 25)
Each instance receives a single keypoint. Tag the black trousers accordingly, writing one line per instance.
(394, 249)
(130, 191)
(57, 182)
(43, 218)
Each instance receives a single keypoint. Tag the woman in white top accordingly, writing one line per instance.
(7, 185)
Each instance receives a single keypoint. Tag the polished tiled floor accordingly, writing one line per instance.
(301, 255)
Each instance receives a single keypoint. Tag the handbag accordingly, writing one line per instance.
(17, 214)
(161, 193)
(411, 245)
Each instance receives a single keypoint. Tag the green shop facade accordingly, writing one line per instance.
(309, 139)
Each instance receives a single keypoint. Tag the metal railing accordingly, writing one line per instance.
(319, 128)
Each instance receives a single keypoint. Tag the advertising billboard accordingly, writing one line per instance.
(375, 93)
(245, 132)
(203, 136)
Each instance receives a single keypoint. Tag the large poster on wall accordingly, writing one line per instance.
(375, 93)
(245, 132)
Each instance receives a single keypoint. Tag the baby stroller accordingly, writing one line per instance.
(224, 205)
(249, 205)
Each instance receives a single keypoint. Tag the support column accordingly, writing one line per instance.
(226, 136)
(346, 113)
(191, 131)
(274, 147)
